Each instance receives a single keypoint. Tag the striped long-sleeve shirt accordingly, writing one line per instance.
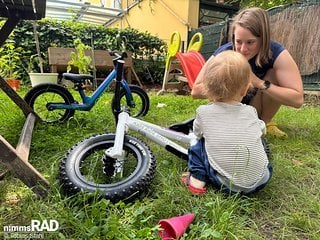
(232, 134)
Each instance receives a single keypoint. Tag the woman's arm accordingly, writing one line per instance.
(286, 87)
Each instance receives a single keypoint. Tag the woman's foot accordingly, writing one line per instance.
(195, 186)
(273, 130)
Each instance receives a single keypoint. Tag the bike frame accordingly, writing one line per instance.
(89, 101)
(160, 135)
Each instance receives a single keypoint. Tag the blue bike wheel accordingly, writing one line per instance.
(41, 95)
(140, 104)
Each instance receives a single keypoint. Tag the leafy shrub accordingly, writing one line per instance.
(62, 34)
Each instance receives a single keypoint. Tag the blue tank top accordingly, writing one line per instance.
(260, 72)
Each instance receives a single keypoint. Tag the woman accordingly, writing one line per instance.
(275, 77)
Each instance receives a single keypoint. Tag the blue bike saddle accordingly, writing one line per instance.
(77, 78)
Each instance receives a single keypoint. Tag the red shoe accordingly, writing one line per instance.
(185, 178)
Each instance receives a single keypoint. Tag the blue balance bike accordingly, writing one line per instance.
(54, 103)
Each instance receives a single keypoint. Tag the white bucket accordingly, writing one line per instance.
(38, 78)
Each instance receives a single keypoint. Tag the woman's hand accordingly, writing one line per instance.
(255, 81)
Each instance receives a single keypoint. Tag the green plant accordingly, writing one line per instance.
(33, 63)
(10, 62)
(54, 33)
(79, 58)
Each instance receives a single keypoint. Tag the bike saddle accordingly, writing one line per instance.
(185, 127)
(77, 78)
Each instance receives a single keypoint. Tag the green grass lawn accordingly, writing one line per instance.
(287, 208)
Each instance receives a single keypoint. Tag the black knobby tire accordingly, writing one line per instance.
(86, 168)
(141, 100)
(39, 96)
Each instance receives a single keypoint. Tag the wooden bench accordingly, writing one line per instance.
(59, 58)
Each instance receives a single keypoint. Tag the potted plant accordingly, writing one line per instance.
(10, 64)
(39, 77)
(79, 59)
(36, 77)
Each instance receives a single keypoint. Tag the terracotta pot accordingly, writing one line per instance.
(14, 83)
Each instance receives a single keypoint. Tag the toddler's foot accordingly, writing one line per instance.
(185, 178)
(273, 130)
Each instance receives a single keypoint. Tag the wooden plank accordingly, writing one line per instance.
(102, 58)
(136, 77)
(7, 28)
(16, 98)
(23, 146)
(18, 13)
(22, 169)
(59, 56)
(12, 2)
(40, 6)
(22, 9)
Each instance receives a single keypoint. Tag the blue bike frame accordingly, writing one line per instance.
(89, 101)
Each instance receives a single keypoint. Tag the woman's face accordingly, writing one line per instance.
(245, 42)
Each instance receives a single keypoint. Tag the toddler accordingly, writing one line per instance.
(229, 153)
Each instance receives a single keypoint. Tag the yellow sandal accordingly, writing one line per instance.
(273, 130)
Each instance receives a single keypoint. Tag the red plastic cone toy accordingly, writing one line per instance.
(174, 228)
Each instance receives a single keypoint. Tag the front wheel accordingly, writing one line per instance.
(86, 168)
(40, 96)
(140, 99)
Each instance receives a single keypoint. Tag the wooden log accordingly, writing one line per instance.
(23, 146)
(22, 169)
(26, 109)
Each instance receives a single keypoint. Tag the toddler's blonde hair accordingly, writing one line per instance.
(226, 75)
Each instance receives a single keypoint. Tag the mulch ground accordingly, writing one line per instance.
(312, 98)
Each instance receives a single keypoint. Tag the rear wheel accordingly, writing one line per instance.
(41, 95)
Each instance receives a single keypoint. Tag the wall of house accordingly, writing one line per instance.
(95, 2)
(160, 17)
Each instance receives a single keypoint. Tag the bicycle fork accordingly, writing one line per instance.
(117, 150)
